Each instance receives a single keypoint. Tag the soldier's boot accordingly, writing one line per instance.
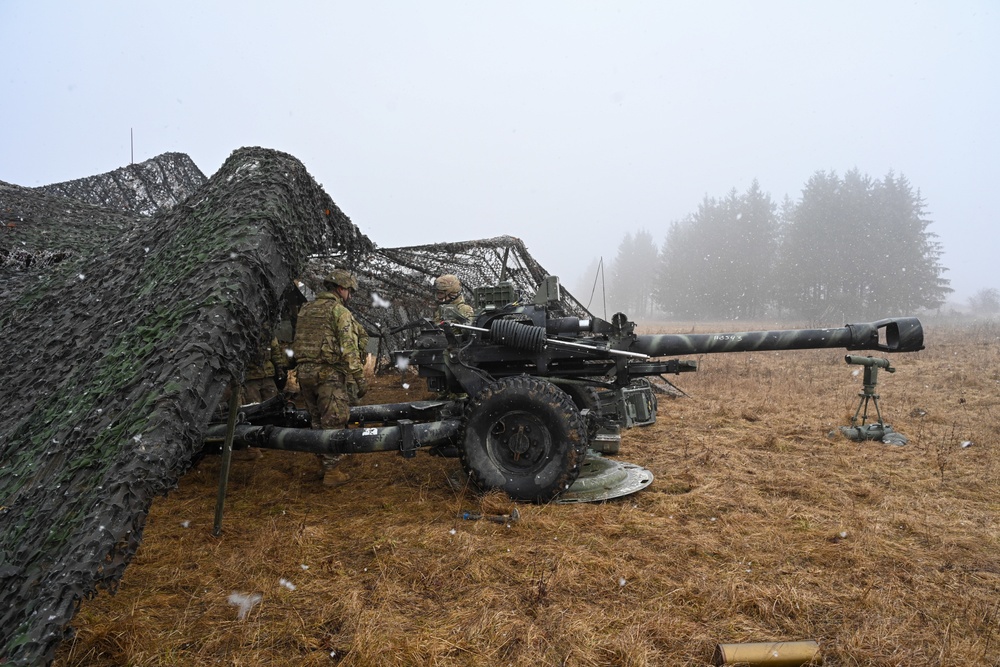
(333, 477)
(248, 454)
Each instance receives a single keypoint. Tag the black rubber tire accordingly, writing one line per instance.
(584, 397)
(525, 436)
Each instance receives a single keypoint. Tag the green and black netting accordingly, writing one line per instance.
(145, 188)
(128, 303)
(396, 284)
(123, 331)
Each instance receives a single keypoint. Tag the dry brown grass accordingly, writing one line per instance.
(763, 524)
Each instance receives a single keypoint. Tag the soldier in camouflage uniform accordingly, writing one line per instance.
(329, 366)
(260, 383)
(451, 305)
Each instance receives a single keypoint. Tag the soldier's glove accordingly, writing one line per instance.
(362, 385)
(280, 378)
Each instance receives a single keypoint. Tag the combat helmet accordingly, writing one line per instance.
(447, 287)
(340, 278)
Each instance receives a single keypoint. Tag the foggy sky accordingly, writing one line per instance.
(563, 123)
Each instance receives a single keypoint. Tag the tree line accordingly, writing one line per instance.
(851, 246)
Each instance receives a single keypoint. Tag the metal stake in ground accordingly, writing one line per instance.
(513, 517)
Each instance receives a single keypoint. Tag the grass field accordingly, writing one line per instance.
(763, 524)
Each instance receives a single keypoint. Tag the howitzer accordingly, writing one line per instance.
(527, 389)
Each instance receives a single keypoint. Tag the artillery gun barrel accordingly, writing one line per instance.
(903, 334)
(525, 337)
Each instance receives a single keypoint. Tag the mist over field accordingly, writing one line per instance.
(733, 163)
(566, 124)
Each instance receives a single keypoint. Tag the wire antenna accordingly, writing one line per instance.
(604, 293)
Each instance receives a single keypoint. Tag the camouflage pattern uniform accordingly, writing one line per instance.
(454, 311)
(326, 352)
(361, 336)
(451, 304)
(328, 362)
(259, 385)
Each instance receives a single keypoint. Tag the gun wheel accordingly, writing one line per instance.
(584, 397)
(525, 436)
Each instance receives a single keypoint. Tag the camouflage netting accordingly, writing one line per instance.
(125, 329)
(145, 188)
(39, 230)
(123, 332)
(396, 284)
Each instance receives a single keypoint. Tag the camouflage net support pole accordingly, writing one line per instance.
(227, 457)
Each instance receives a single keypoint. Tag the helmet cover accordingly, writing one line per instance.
(341, 278)
(447, 286)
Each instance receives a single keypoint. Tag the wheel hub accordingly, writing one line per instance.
(519, 438)
(519, 442)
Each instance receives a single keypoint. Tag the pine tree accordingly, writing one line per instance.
(811, 251)
(718, 262)
(633, 274)
(855, 247)
(753, 256)
(675, 291)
